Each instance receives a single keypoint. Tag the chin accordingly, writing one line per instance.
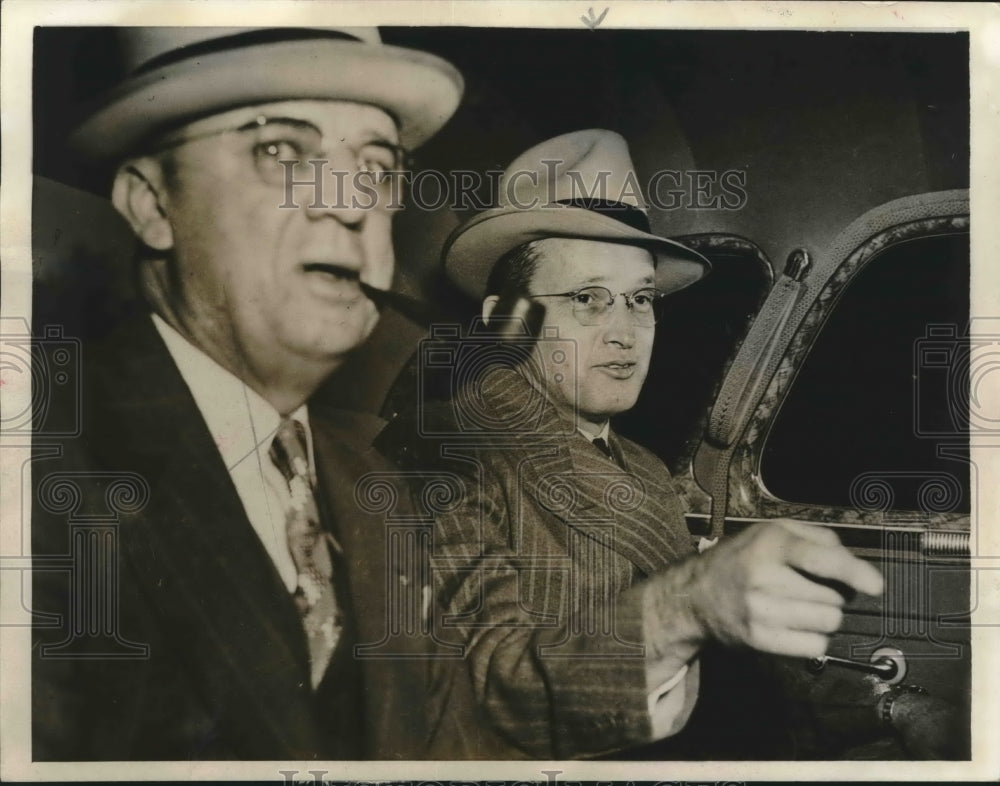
(337, 351)
(605, 407)
(328, 349)
(342, 335)
(605, 411)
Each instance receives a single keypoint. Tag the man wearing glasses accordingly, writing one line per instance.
(567, 568)
(241, 573)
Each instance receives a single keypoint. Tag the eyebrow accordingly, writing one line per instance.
(288, 121)
(377, 137)
(603, 280)
(372, 137)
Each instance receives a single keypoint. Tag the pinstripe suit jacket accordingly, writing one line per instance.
(534, 566)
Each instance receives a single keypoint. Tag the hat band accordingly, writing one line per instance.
(237, 41)
(622, 212)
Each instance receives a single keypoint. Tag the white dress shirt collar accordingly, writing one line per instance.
(602, 434)
(239, 419)
(243, 424)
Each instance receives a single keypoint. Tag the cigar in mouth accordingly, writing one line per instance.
(411, 307)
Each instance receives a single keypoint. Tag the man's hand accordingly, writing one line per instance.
(755, 589)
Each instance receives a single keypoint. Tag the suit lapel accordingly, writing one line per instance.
(214, 586)
(580, 485)
(395, 675)
(360, 533)
(639, 497)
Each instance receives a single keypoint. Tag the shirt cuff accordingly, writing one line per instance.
(671, 702)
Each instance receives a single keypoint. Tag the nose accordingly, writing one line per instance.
(343, 194)
(620, 327)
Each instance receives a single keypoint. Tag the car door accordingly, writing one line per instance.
(848, 406)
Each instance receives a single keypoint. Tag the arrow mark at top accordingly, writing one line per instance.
(592, 21)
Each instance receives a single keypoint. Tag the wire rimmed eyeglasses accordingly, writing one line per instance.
(593, 305)
(289, 150)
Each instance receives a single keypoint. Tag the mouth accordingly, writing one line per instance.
(336, 281)
(332, 270)
(618, 369)
(415, 309)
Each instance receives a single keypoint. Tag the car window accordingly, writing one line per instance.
(699, 333)
(881, 391)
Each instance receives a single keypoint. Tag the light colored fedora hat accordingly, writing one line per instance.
(174, 75)
(578, 185)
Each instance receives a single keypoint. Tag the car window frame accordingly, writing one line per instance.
(745, 494)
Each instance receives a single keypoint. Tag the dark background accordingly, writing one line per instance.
(825, 126)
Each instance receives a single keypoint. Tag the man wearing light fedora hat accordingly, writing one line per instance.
(239, 577)
(568, 568)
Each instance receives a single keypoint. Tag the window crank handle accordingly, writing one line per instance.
(888, 664)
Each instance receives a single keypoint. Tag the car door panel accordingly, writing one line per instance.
(899, 497)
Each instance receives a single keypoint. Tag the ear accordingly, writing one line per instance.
(137, 194)
(489, 304)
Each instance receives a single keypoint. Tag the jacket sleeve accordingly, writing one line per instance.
(551, 690)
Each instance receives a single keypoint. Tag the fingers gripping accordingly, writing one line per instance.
(833, 561)
(761, 597)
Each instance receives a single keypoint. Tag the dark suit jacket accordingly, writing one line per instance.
(197, 651)
(534, 565)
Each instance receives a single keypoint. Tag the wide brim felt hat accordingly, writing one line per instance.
(176, 75)
(471, 253)
(593, 162)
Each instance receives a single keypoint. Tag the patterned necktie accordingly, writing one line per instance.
(307, 542)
